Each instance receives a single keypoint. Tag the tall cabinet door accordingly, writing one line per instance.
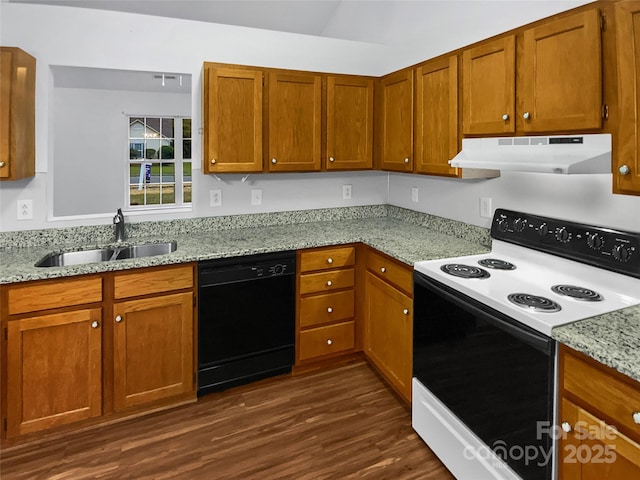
(489, 86)
(436, 132)
(626, 171)
(233, 120)
(153, 349)
(295, 110)
(562, 75)
(349, 123)
(396, 122)
(54, 370)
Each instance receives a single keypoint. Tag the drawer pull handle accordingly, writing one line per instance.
(383, 269)
(526, 115)
(330, 310)
(213, 161)
(274, 161)
(329, 260)
(329, 342)
(331, 159)
(406, 311)
(566, 427)
(95, 324)
(636, 417)
(329, 283)
(118, 318)
(406, 160)
(624, 170)
(2, 164)
(505, 116)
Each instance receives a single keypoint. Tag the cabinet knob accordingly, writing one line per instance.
(329, 260)
(274, 161)
(636, 417)
(624, 170)
(329, 342)
(383, 269)
(526, 115)
(329, 283)
(505, 116)
(330, 310)
(406, 160)
(118, 318)
(213, 161)
(95, 324)
(405, 311)
(331, 159)
(2, 164)
(566, 427)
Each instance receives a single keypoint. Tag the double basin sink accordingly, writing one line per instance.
(62, 259)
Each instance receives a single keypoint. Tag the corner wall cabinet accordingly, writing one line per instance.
(626, 168)
(600, 421)
(17, 114)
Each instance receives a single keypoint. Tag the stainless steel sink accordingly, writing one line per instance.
(63, 259)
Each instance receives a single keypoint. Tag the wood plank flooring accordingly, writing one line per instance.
(341, 423)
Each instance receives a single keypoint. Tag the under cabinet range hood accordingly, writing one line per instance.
(564, 154)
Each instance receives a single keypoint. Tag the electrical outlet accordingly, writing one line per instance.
(346, 192)
(256, 196)
(25, 210)
(485, 207)
(215, 197)
(414, 194)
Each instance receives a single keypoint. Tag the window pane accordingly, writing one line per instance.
(134, 173)
(152, 174)
(168, 194)
(153, 128)
(136, 150)
(136, 196)
(168, 173)
(153, 194)
(167, 127)
(186, 192)
(186, 172)
(186, 149)
(186, 128)
(167, 149)
(136, 127)
(153, 147)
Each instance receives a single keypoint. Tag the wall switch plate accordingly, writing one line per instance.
(346, 192)
(256, 196)
(216, 197)
(25, 210)
(485, 207)
(414, 194)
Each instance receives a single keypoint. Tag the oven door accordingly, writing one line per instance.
(493, 373)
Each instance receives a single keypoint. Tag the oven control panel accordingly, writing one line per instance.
(599, 246)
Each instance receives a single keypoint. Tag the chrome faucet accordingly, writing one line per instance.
(118, 221)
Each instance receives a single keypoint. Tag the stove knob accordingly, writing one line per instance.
(503, 225)
(543, 230)
(621, 253)
(519, 224)
(563, 235)
(595, 241)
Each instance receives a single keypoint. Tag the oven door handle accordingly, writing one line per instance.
(529, 336)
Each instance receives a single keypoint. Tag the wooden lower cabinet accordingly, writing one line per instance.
(600, 421)
(54, 367)
(388, 337)
(153, 349)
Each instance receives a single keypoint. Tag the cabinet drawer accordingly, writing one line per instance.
(390, 270)
(605, 392)
(326, 281)
(147, 282)
(320, 341)
(326, 308)
(327, 258)
(53, 294)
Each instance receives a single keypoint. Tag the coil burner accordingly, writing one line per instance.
(534, 302)
(464, 271)
(496, 264)
(579, 293)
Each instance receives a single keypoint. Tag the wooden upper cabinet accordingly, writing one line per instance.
(295, 111)
(396, 121)
(488, 91)
(349, 123)
(626, 173)
(233, 120)
(561, 87)
(436, 128)
(17, 114)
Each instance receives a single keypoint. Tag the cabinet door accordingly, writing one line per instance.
(54, 370)
(594, 450)
(396, 122)
(562, 75)
(349, 123)
(233, 120)
(436, 132)
(488, 87)
(295, 111)
(627, 158)
(153, 349)
(389, 332)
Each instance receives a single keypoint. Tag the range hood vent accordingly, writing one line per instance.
(566, 154)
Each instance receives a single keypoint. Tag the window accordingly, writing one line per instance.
(159, 170)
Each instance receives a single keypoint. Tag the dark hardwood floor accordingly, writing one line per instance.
(336, 424)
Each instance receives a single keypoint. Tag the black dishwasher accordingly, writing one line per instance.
(246, 319)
